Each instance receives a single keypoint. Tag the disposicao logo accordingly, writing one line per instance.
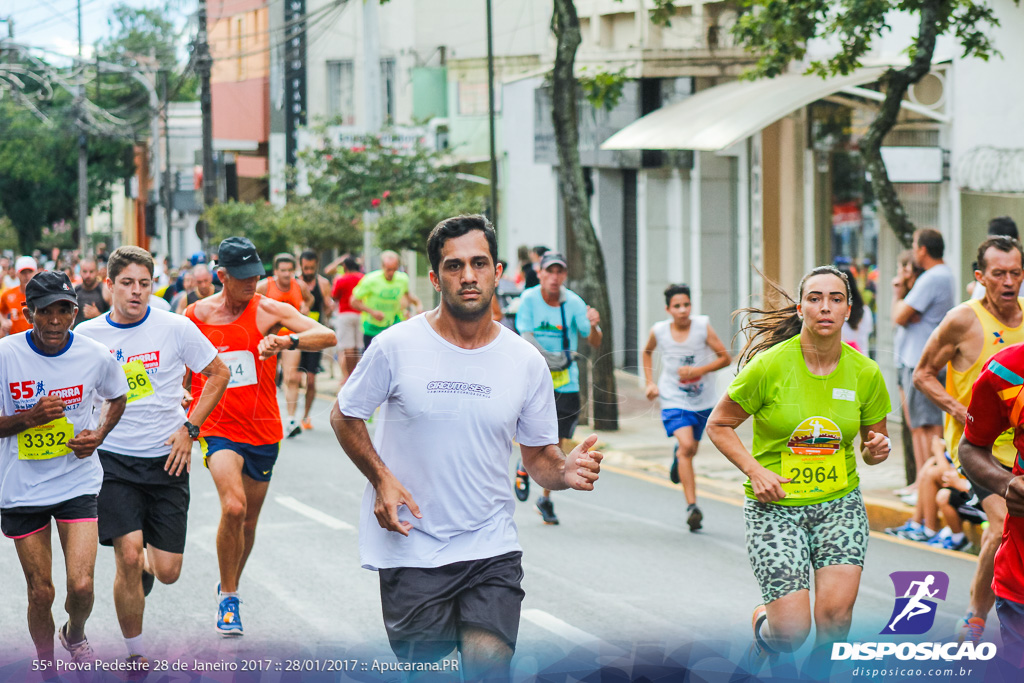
(916, 593)
(914, 614)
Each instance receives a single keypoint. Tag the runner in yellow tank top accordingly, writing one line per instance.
(964, 341)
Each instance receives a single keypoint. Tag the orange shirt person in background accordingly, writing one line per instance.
(13, 299)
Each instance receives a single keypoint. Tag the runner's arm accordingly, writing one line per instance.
(307, 297)
(273, 315)
(721, 429)
(596, 335)
(982, 467)
(940, 349)
(554, 470)
(217, 378)
(88, 440)
(261, 286)
(47, 409)
(722, 357)
(648, 363)
(355, 441)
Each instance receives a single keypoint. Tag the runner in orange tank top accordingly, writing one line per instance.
(240, 439)
(284, 287)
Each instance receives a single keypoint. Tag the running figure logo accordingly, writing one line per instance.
(916, 593)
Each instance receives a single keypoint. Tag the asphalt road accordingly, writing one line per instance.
(619, 584)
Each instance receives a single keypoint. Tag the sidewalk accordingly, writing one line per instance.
(640, 445)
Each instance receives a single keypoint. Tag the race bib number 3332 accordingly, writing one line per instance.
(46, 441)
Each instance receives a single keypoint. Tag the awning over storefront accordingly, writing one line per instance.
(719, 117)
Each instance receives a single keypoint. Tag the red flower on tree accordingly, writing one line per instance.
(387, 193)
(375, 202)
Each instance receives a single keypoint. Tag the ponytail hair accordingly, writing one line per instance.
(766, 327)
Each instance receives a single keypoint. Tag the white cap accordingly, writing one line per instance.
(25, 262)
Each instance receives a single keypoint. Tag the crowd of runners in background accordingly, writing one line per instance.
(120, 357)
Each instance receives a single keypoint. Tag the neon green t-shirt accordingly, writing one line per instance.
(381, 295)
(804, 424)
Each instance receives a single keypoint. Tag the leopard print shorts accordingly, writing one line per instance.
(785, 542)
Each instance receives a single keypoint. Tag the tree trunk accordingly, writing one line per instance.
(591, 283)
(896, 84)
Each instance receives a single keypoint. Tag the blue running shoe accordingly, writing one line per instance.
(229, 623)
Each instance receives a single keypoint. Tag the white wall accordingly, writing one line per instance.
(529, 195)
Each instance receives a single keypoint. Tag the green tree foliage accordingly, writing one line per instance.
(321, 227)
(260, 222)
(779, 32)
(410, 187)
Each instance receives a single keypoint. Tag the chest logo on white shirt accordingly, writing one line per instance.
(438, 386)
(150, 360)
(27, 393)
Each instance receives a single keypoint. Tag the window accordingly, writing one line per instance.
(387, 90)
(341, 92)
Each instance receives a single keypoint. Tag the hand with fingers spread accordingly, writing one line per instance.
(876, 448)
(390, 496)
(583, 465)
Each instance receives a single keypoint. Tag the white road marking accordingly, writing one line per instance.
(567, 631)
(314, 514)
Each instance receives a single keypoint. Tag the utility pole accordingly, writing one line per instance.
(490, 116)
(204, 63)
(83, 167)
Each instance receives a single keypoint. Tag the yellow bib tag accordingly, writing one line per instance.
(46, 441)
(315, 315)
(560, 378)
(139, 385)
(813, 474)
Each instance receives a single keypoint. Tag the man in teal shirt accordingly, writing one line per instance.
(553, 318)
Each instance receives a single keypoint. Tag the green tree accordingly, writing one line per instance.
(310, 224)
(410, 187)
(778, 32)
(259, 222)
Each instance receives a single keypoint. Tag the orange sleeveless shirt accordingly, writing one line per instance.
(248, 412)
(292, 297)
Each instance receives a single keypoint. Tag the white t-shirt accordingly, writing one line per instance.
(81, 373)
(164, 344)
(694, 350)
(445, 430)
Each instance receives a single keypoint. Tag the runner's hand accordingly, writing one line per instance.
(181, 453)
(390, 495)
(593, 317)
(687, 373)
(377, 315)
(91, 311)
(47, 409)
(85, 443)
(652, 391)
(1015, 497)
(767, 485)
(273, 344)
(186, 398)
(582, 465)
(876, 448)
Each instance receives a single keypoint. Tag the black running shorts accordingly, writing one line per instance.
(138, 495)
(309, 361)
(19, 522)
(567, 409)
(425, 608)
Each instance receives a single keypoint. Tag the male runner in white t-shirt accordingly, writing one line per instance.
(456, 389)
(50, 379)
(143, 505)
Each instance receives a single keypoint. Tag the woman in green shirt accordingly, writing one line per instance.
(810, 395)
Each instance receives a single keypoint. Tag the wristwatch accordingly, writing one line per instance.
(294, 338)
(193, 431)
